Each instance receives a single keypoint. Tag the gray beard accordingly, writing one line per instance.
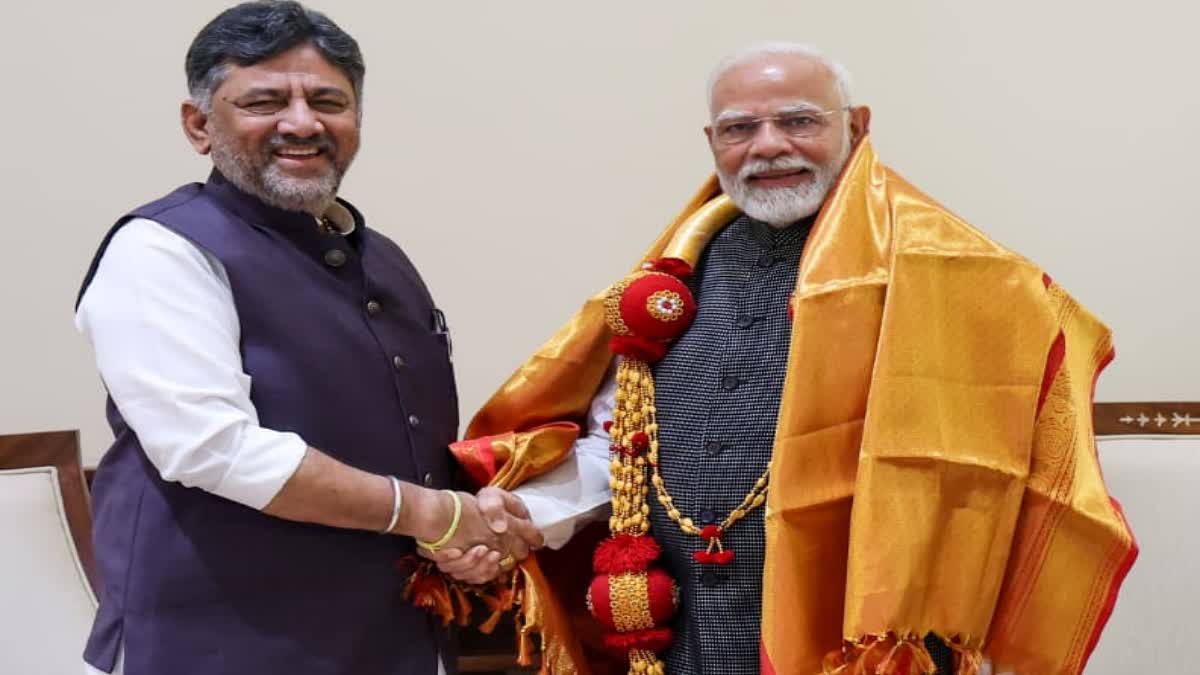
(309, 195)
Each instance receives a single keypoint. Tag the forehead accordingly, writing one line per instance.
(770, 81)
(301, 66)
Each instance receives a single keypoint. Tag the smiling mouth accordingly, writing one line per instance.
(298, 153)
(780, 175)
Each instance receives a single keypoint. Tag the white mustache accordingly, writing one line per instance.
(786, 163)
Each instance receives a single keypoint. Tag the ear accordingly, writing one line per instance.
(708, 133)
(195, 126)
(860, 123)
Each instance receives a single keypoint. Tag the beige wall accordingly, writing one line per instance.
(525, 152)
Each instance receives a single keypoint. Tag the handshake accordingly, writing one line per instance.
(489, 533)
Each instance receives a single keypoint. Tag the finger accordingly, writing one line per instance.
(441, 555)
(516, 546)
(491, 505)
(482, 572)
(514, 505)
(458, 569)
(529, 532)
(449, 554)
(464, 563)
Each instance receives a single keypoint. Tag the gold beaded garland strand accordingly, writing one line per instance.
(628, 482)
(639, 395)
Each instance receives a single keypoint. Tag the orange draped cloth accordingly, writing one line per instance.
(934, 467)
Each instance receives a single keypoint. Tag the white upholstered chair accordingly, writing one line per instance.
(1156, 478)
(46, 599)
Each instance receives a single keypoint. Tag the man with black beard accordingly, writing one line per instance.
(280, 390)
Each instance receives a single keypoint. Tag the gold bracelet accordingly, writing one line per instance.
(435, 546)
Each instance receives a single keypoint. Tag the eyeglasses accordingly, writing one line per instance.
(796, 124)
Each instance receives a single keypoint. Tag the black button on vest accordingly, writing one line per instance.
(335, 257)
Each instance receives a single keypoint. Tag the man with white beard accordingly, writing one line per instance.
(782, 128)
(824, 329)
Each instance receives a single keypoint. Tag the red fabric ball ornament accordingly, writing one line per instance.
(710, 532)
(661, 598)
(723, 557)
(608, 426)
(640, 441)
(656, 306)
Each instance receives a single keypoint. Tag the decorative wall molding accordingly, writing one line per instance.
(1147, 417)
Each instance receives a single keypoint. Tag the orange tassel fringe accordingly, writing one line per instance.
(890, 654)
(450, 601)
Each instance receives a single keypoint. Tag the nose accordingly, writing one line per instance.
(769, 142)
(300, 120)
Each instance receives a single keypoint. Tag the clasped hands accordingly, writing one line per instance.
(494, 533)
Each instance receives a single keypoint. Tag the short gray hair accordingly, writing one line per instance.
(255, 31)
(841, 76)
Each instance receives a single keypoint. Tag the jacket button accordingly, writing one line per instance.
(766, 260)
(428, 480)
(373, 307)
(745, 321)
(730, 382)
(713, 448)
(335, 257)
(708, 516)
(710, 578)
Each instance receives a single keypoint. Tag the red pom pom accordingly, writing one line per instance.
(651, 640)
(608, 426)
(673, 266)
(625, 553)
(657, 306)
(723, 557)
(640, 441)
(710, 532)
(638, 349)
(703, 557)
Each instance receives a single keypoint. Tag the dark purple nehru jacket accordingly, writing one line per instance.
(345, 348)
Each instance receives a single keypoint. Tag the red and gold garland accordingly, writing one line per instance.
(629, 595)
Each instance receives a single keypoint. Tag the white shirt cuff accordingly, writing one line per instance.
(256, 476)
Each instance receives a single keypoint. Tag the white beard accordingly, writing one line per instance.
(782, 206)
